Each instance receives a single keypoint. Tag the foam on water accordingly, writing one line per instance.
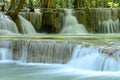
(105, 20)
(71, 25)
(6, 55)
(7, 24)
(27, 27)
(90, 58)
(82, 56)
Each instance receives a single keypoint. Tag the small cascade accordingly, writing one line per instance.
(5, 55)
(6, 32)
(27, 27)
(39, 51)
(46, 52)
(34, 17)
(71, 25)
(90, 58)
(105, 20)
(7, 25)
(84, 57)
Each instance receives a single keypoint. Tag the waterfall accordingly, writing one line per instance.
(71, 25)
(27, 27)
(39, 51)
(7, 25)
(90, 58)
(5, 54)
(46, 52)
(105, 20)
(34, 17)
(71, 54)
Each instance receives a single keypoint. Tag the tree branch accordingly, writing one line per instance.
(19, 7)
(12, 5)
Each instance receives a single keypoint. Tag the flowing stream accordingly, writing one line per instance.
(5, 55)
(84, 63)
(7, 25)
(71, 25)
(106, 20)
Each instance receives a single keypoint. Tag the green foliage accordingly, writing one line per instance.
(57, 3)
(34, 1)
(7, 0)
(81, 3)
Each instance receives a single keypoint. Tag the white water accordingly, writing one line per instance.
(40, 51)
(27, 27)
(6, 32)
(7, 24)
(90, 58)
(71, 25)
(8, 27)
(46, 52)
(82, 66)
(105, 20)
(5, 55)
(53, 52)
(34, 17)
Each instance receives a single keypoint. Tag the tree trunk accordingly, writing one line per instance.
(48, 3)
(31, 6)
(62, 4)
(19, 7)
(12, 5)
(14, 11)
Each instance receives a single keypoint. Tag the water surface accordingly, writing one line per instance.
(20, 71)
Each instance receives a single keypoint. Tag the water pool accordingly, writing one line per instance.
(15, 71)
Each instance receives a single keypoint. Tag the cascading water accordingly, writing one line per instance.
(90, 58)
(40, 51)
(105, 20)
(50, 53)
(5, 55)
(34, 17)
(86, 58)
(100, 20)
(71, 25)
(27, 27)
(46, 52)
(6, 25)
